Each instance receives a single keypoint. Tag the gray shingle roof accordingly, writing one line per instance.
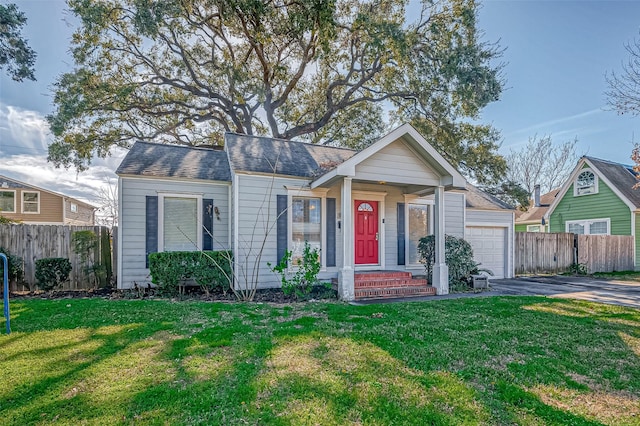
(478, 199)
(621, 176)
(161, 160)
(262, 155)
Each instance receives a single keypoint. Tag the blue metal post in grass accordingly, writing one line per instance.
(5, 264)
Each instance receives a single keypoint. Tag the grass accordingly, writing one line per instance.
(619, 275)
(512, 360)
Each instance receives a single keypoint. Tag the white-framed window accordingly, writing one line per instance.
(7, 201)
(589, 227)
(307, 222)
(535, 228)
(586, 183)
(418, 224)
(179, 222)
(306, 225)
(30, 202)
(74, 208)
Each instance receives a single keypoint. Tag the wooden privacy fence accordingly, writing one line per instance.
(542, 253)
(33, 242)
(605, 253)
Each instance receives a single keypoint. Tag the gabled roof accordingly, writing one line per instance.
(257, 154)
(10, 183)
(478, 199)
(407, 133)
(619, 177)
(535, 214)
(176, 161)
(262, 154)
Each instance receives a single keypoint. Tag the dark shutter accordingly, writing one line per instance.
(151, 227)
(281, 207)
(401, 244)
(331, 232)
(207, 224)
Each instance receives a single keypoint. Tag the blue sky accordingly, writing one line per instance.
(557, 54)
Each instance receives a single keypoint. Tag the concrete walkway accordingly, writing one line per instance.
(624, 293)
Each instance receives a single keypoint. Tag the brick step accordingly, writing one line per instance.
(382, 293)
(393, 282)
(376, 275)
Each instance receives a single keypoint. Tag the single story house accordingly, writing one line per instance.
(31, 204)
(533, 219)
(259, 196)
(598, 198)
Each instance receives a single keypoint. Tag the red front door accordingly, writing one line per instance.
(366, 239)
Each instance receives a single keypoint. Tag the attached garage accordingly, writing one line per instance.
(489, 228)
(489, 248)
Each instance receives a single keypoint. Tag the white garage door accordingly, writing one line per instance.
(489, 247)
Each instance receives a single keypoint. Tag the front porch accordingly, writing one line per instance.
(390, 284)
(376, 188)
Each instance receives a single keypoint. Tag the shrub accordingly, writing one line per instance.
(86, 245)
(7, 221)
(458, 255)
(52, 272)
(209, 269)
(300, 279)
(16, 269)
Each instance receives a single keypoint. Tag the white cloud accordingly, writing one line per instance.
(581, 123)
(24, 137)
(22, 131)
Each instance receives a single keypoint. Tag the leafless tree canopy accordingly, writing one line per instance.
(623, 94)
(542, 162)
(107, 196)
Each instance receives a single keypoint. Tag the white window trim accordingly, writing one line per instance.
(413, 199)
(595, 182)
(161, 197)
(587, 225)
(380, 198)
(540, 228)
(14, 200)
(73, 208)
(22, 201)
(309, 193)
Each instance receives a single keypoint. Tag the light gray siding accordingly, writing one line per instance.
(489, 217)
(132, 222)
(396, 163)
(454, 214)
(257, 228)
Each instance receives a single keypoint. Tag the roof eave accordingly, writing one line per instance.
(326, 179)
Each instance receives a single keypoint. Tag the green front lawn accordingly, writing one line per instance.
(622, 275)
(491, 361)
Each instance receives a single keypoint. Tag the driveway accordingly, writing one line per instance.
(625, 293)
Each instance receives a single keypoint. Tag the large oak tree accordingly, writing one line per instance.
(327, 71)
(16, 57)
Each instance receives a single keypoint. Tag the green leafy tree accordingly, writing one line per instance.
(15, 54)
(326, 71)
(510, 192)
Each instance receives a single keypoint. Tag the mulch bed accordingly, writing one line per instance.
(192, 293)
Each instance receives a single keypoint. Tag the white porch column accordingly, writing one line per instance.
(440, 268)
(346, 290)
